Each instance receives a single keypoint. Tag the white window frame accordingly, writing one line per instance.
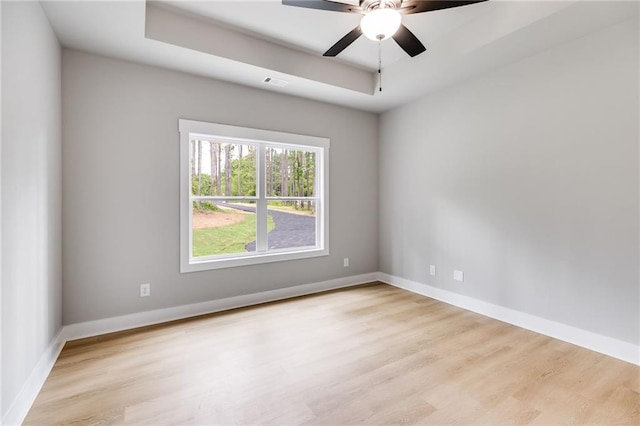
(189, 129)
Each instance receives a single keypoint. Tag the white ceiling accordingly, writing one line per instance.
(244, 41)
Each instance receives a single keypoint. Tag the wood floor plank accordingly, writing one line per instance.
(366, 355)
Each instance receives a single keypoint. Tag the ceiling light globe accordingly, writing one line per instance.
(380, 24)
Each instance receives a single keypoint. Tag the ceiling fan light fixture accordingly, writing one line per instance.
(381, 23)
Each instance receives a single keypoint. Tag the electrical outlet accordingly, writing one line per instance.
(345, 262)
(145, 290)
(458, 276)
(432, 270)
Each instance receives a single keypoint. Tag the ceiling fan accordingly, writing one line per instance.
(382, 19)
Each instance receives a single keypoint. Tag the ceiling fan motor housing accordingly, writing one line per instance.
(369, 5)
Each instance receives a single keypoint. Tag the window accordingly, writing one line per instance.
(250, 196)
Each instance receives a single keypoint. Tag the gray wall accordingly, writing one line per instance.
(526, 179)
(31, 200)
(120, 185)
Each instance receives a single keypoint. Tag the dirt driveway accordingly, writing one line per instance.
(209, 219)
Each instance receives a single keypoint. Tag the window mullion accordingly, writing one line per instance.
(261, 208)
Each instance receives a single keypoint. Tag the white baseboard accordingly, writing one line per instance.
(141, 319)
(586, 339)
(20, 406)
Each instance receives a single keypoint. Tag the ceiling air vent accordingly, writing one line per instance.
(275, 81)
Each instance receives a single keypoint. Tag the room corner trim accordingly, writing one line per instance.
(24, 400)
(141, 319)
(596, 342)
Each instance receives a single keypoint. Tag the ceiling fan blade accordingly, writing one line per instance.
(344, 42)
(408, 41)
(419, 6)
(323, 5)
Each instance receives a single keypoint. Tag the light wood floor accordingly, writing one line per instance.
(373, 355)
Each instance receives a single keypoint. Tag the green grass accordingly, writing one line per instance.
(228, 239)
(206, 206)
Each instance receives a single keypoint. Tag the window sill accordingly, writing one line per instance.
(195, 265)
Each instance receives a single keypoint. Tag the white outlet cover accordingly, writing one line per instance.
(346, 262)
(145, 290)
(458, 276)
(432, 270)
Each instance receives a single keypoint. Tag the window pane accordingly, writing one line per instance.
(290, 172)
(223, 228)
(222, 169)
(294, 224)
